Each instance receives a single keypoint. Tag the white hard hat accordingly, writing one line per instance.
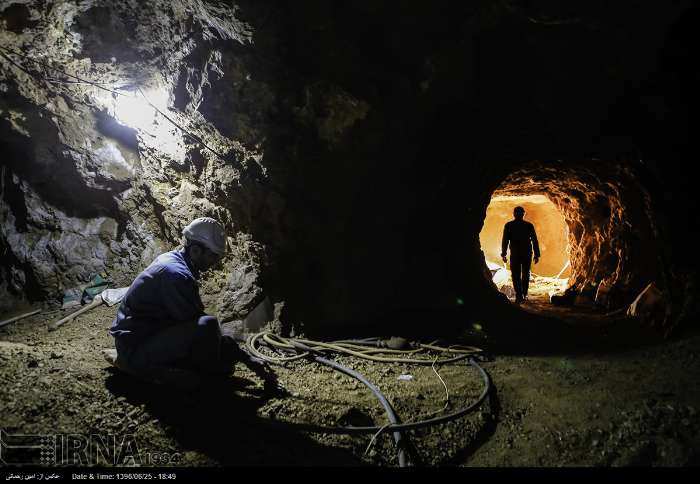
(207, 232)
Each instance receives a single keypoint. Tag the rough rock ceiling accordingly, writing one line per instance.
(351, 167)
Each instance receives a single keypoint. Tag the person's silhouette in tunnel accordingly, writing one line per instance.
(522, 239)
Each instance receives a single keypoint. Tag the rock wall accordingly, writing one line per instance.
(350, 148)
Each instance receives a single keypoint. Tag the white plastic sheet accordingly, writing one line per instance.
(113, 296)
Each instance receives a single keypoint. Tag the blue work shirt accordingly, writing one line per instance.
(164, 294)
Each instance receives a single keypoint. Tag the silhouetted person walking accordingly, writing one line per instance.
(523, 239)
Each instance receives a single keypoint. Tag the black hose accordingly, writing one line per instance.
(394, 426)
(400, 427)
(398, 438)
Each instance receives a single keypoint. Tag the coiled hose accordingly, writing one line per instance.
(398, 438)
(315, 348)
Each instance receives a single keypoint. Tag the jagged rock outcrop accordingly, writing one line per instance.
(350, 148)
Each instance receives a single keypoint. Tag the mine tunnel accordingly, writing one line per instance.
(594, 229)
(321, 188)
(551, 275)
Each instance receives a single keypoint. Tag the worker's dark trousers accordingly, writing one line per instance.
(197, 344)
(520, 270)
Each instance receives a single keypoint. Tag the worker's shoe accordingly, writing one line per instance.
(518, 300)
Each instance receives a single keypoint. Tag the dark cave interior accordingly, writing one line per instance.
(351, 150)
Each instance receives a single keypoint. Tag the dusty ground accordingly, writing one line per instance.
(618, 404)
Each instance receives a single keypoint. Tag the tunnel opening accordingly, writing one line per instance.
(596, 229)
(550, 275)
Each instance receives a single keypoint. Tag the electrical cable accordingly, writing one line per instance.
(358, 341)
(191, 135)
(315, 350)
(80, 80)
(374, 437)
(281, 342)
(447, 392)
(43, 64)
(393, 419)
(447, 403)
(352, 430)
(363, 348)
(466, 350)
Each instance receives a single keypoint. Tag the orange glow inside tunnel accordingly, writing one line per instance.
(550, 226)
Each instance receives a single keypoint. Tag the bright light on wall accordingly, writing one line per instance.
(134, 110)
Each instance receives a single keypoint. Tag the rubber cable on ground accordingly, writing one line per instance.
(316, 350)
(404, 426)
(393, 419)
(280, 342)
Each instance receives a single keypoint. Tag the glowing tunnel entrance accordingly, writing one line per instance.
(551, 274)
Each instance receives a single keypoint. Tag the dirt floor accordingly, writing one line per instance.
(612, 403)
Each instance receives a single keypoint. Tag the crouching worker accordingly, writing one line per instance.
(161, 332)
